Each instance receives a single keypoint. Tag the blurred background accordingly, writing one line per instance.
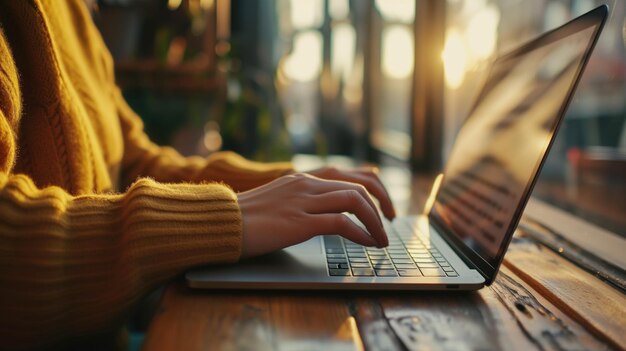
(384, 81)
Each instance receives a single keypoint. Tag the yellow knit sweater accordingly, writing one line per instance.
(92, 214)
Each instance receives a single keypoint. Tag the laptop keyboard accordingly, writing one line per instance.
(406, 256)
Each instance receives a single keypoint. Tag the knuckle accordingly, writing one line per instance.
(354, 197)
(292, 177)
(300, 179)
(361, 189)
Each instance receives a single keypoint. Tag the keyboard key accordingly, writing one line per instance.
(402, 260)
(424, 260)
(343, 266)
(357, 254)
(335, 256)
(384, 266)
(386, 273)
(333, 265)
(363, 272)
(418, 251)
(452, 274)
(428, 265)
(448, 269)
(383, 261)
(352, 249)
(414, 245)
(337, 260)
(440, 259)
(421, 255)
(403, 256)
(358, 260)
(377, 255)
(405, 266)
(339, 272)
(360, 264)
(332, 240)
(433, 272)
(334, 250)
(409, 272)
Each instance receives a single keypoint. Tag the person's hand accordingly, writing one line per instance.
(296, 207)
(367, 177)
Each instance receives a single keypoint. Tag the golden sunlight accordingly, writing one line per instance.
(397, 52)
(305, 61)
(454, 57)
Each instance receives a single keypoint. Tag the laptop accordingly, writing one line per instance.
(459, 243)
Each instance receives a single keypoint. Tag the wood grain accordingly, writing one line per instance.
(219, 320)
(208, 321)
(442, 321)
(597, 306)
(541, 322)
(375, 330)
(306, 321)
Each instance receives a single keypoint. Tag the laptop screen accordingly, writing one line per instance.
(498, 151)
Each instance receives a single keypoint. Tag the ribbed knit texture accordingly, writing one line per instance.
(92, 214)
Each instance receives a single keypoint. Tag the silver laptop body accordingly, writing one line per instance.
(490, 173)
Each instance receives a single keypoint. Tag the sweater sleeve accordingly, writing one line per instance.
(73, 265)
(143, 158)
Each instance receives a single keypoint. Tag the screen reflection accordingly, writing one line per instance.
(499, 148)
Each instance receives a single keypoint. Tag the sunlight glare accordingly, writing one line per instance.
(305, 62)
(482, 32)
(454, 59)
(398, 52)
(397, 10)
(338, 9)
(306, 13)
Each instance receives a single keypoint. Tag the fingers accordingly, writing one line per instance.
(292, 209)
(353, 201)
(328, 186)
(372, 183)
(365, 177)
(344, 226)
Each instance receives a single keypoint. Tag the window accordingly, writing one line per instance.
(346, 79)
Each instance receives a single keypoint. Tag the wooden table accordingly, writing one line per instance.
(539, 301)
